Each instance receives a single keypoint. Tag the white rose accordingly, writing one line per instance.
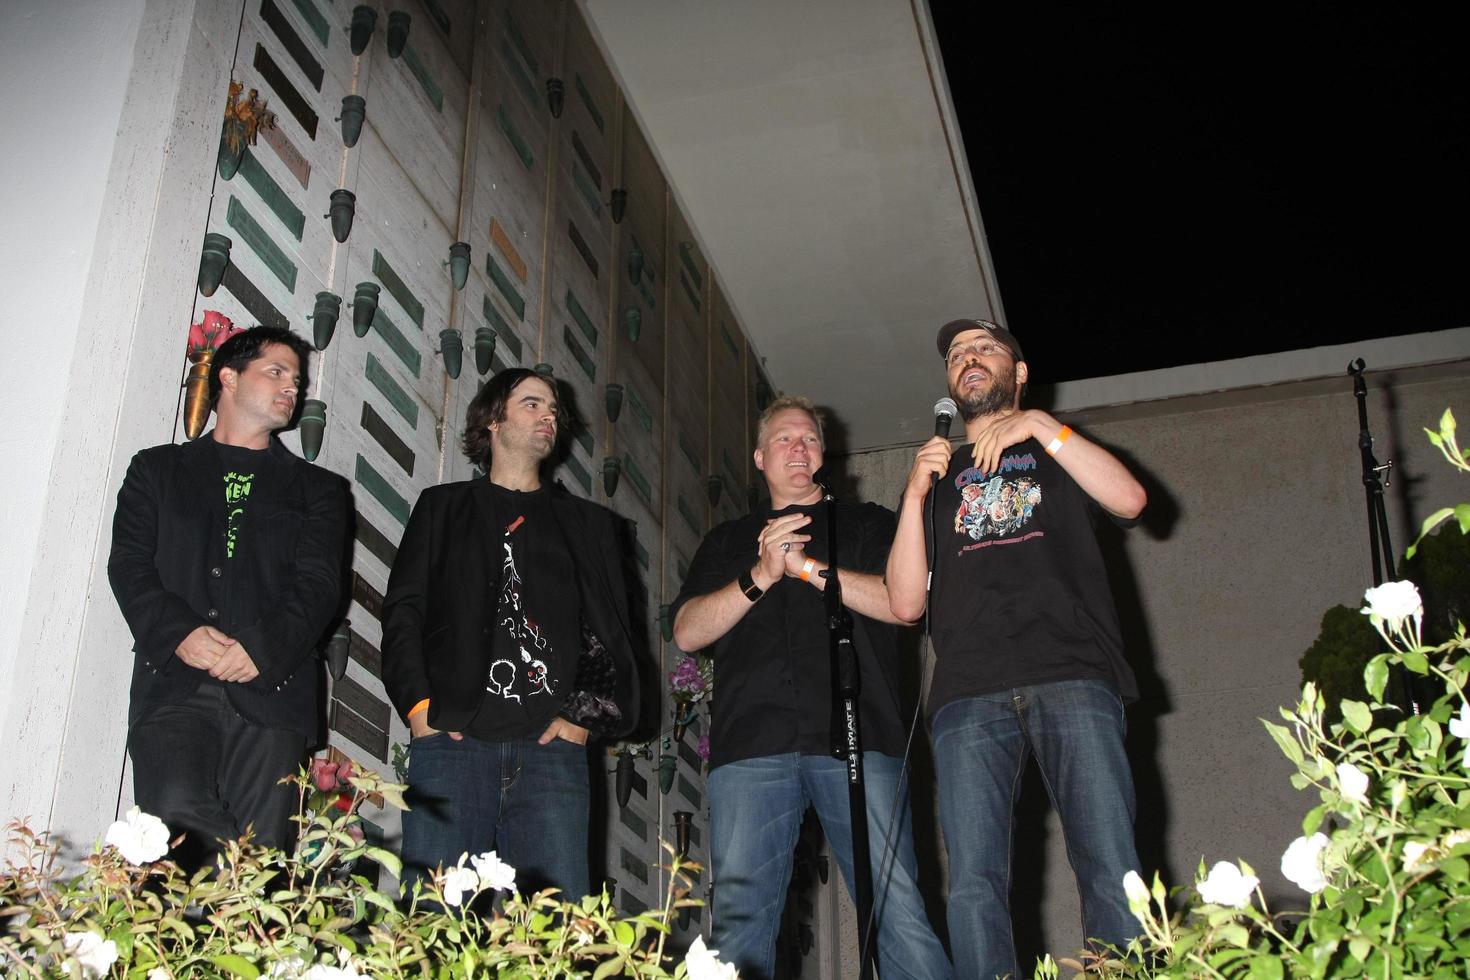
(458, 881)
(1354, 782)
(1136, 891)
(493, 872)
(1414, 852)
(1302, 863)
(704, 964)
(1227, 885)
(287, 969)
(95, 954)
(323, 971)
(141, 838)
(1393, 602)
(158, 973)
(1460, 728)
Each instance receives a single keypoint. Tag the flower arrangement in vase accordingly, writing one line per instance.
(204, 339)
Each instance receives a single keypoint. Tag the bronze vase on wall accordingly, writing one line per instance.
(196, 393)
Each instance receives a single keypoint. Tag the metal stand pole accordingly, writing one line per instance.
(848, 741)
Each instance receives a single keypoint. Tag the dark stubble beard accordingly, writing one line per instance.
(1000, 396)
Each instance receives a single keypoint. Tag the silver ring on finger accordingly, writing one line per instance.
(786, 546)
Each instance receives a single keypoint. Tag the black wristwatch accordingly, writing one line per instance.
(748, 586)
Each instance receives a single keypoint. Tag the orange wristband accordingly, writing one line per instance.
(807, 567)
(421, 706)
(1055, 446)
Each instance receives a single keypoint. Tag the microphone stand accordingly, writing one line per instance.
(1379, 546)
(847, 739)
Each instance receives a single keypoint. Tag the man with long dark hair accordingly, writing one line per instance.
(227, 560)
(506, 643)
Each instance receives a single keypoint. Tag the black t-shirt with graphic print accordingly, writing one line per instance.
(1020, 594)
(536, 633)
(243, 470)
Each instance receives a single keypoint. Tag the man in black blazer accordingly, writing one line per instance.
(227, 560)
(506, 642)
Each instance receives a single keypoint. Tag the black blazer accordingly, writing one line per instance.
(440, 605)
(167, 550)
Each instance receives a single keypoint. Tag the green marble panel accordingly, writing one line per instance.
(589, 330)
(272, 194)
(518, 72)
(640, 410)
(507, 288)
(523, 150)
(647, 295)
(588, 192)
(503, 330)
(398, 289)
(641, 553)
(415, 63)
(583, 435)
(687, 448)
(686, 256)
(437, 12)
(584, 360)
(633, 822)
(640, 482)
(634, 865)
(592, 109)
(402, 401)
(682, 506)
(261, 244)
(689, 290)
(513, 31)
(378, 488)
(579, 472)
(400, 345)
(729, 341)
(313, 18)
(579, 148)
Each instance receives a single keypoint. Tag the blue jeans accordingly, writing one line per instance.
(981, 744)
(530, 803)
(756, 806)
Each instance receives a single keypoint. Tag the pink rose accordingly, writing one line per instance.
(324, 774)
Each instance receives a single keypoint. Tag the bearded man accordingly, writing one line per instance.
(1029, 654)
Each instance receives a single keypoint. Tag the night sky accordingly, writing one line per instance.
(1165, 186)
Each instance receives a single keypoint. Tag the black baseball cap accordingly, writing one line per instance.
(953, 328)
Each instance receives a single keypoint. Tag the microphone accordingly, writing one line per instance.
(944, 412)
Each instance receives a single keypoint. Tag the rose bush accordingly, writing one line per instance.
(263, 913)
(1384, 856)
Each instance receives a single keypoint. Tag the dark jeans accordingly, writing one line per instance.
(529, 803)
(981, 744)
(756, 807)
(203, 769)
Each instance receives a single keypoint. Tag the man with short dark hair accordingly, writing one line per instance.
(506, 642)
(754, 597)
(1028, 649)
(228, 590)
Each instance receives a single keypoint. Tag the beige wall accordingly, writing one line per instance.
(1256, 525)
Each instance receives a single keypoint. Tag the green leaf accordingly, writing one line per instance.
(1313, 819)
(1430, 523)
(1360, 948)
(387, 859)
(237, 965)
(1267, 968)
(1416, 662)
(1284, 741)
(609, 969)
(1357, 715)
(1375, 676)
(624, 934)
